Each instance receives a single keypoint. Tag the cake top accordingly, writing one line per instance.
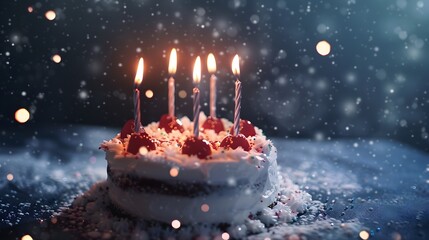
(169, 145)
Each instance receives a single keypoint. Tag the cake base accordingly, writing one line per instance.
(195, 202)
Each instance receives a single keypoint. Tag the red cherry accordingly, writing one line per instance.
(196, 146)
(246, 128)
(213, 124)
(235, 141)
(138, 140)
(170, 123)
(127, 129)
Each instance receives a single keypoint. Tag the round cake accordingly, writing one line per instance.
(163, 183)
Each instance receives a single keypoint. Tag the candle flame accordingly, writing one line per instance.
(236, 66)
(139, 75)
(172, 66)
(197, 71)
(211, 63)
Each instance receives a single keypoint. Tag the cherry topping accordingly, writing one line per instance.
(170, 123)
(138, 140)
(127, 129)
(196, 146)
(246, 128)
(213, 124)
(235, 141)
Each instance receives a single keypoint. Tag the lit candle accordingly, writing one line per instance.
(172, 66)
(236, 72)
(137, 81)
(196, 91)
(211, 65)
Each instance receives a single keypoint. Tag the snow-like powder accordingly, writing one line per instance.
(293, 214)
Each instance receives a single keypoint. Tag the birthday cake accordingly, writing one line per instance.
(164, 173)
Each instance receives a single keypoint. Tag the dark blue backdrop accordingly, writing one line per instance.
(372, 84)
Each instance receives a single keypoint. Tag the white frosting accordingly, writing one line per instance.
(224, 167)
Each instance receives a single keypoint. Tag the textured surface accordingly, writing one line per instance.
(379, 186)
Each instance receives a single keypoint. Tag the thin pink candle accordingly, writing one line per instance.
(137, 81)
(196, 91)
(237, 109)
(211, 66)
(172, 66)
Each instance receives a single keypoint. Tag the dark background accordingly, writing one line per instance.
(374, 83)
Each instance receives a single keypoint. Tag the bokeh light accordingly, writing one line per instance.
(56, 58)
(22, 115)
(175, 224)
(143, 150)
(30, 9)
(364, 235)
(205, 207)
(323, 48)
(50, 15)
(225, 236)
(149, 93)
(182, 94)
(174, 172)
(26, 237)
(9, 177)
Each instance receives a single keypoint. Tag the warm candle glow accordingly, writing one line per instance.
(172, 66)
(236, 66)
(211, 63)
(139, 75)
(197, 71)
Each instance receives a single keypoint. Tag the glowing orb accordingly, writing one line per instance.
(323, 48)
(30, 9)
(9, 177)
(22, 115)
(205, 207)
(56, 58)
(225, 236)
(182, 94)
(50, 15)
(174, 172)
(364, 235)
(26, 237)
(149, 94)
(175, 224)
(143, 150)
